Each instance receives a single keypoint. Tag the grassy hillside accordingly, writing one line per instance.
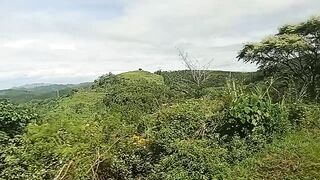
(142, 75)
(297, 156)
(294, 156)
(141, 125)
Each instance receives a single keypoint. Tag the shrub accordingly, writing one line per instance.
(105, 81)
(182, 140)
(297, 114)
(14, 119)
(193, 119)
(193, 159)
(252, 115)
(312, 117)
(296, 156)
(135, 98)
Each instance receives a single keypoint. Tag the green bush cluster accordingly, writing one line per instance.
(14, 118)
(296, 156)
(253, 115)
(134, 98)
(13, 121)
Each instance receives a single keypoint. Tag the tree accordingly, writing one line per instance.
(199, 73)
(293, 51)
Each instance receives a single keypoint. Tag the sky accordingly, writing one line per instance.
(72, 41)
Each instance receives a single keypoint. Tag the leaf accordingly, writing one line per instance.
(254, 122)
(247, 110)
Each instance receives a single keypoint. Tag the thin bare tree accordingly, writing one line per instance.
(199, 73)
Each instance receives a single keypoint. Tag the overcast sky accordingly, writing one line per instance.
(71, 41)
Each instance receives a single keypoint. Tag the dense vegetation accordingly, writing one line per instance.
(293, 52)
(142, 125)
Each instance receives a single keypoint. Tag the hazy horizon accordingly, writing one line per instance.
(63, 42)
(80, 82)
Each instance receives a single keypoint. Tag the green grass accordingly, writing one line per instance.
(297, 156)
(82, 105)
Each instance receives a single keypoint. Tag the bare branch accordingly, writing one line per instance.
(199, 72)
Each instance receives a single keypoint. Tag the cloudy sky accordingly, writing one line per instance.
(70, 41)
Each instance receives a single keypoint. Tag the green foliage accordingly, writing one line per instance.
(182, 141)
(293, 52)
(13, 118)
(297, 156)
(136, 96)
(132, 99)
(142, 75)
(137, 125)
(250, 115)
(104, 81)
(297, 114)
(251, 120)
(190, 119)
(181, 81)
(193, 159)
(312, 117)
(68, 134)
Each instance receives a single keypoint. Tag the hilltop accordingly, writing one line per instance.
(142, 75)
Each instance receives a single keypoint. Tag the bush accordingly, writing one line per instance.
(182, 140)
(296, 156)
(250, 116)
(13, 122)
(251, 120)
(105, 81)
(14, 119)
(193, 119)
(312, 117)
(297, 114)
(193, 159)
(135, 98)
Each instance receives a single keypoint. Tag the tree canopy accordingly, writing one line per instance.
(294, 51)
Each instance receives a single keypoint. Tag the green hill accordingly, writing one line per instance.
(39, 91)
(145, 75)
(142, 125)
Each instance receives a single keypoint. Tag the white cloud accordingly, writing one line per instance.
(65, 41)
(18, 44)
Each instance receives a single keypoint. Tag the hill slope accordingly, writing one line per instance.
(41, 91)
(145, 75)
(138, 125)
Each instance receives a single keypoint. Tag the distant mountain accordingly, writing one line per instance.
(33, 85)
(39, 91)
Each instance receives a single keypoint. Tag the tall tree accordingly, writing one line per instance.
(293, 51)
